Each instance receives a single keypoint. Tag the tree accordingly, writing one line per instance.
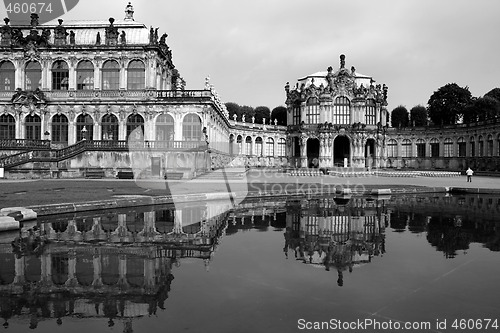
(482, 108)
(262, 112)
(233, 108)
(493, 93)
(446, 105)
(418, 115)
(399, 117)
(249, 112)
(279, 113)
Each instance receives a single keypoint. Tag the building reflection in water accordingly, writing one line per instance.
(117, 266)
(335, 233)
(120, 266)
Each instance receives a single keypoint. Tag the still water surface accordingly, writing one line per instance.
(270, 266)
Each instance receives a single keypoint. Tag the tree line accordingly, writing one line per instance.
(449, 105)
(260, 112)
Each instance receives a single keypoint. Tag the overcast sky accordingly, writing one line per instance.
(250, 49)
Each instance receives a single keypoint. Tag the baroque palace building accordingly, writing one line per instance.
(74, 94)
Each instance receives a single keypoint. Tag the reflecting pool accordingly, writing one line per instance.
(340, 264)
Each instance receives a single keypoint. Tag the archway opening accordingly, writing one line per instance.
(313, 153)
(341, 151)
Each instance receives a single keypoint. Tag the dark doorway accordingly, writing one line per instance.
(313, 153)
(341, 150)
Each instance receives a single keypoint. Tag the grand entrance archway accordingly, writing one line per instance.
(312, 153)
(341, 151)
(369, 153)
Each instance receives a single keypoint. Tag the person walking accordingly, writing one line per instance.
(469, 173)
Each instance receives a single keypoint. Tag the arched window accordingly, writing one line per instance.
(342, 111)
(33, 125)
(239, 143)
(258, 146)
(134, 121)
(472, 146)
(7, 127)
(84, 127)
(248, 146)
(60, 75)
(481, 146)
(312, 110)
(109, 127)
(370, 115)
(270, 147)
(110, 75)
(165, 128)
(60, 128)
(281, 147)
(33, 75)
(392, 148)
(461, 147)
(136, 77)
(85, 75)
(420, 148)
(406, 145)
(448, 148)
(191, 127)
(490, 145)
(434, 143)
(7, 76)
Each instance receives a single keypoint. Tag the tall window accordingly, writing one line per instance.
(165, 128)
(33, 127)
(434, 143)
(270, 147)
(370, 115)
(7, 76)
(60, 75)
(239, 143)
(312, 111)
(33, 75)
(84, 127)
(85, 75)
(258, 146)
(60, 128)
(420, 148)
(7, 127)
(392, 148)
(281, 147)
(490, 145)
(134, 121)
(448, 148)
(406, 145)
(136, 76)
(296, 113)
(111, 75)
(481, 146)
(191, 127)
(342, 111)
(248, 146)
(109, 126)
(461, 147)
(472, 146)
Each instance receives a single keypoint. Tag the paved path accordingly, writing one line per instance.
(25, 193)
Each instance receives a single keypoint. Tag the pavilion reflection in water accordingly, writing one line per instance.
(117, 266)
(336, 233)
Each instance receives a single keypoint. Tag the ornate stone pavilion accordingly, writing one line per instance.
(336, 118)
